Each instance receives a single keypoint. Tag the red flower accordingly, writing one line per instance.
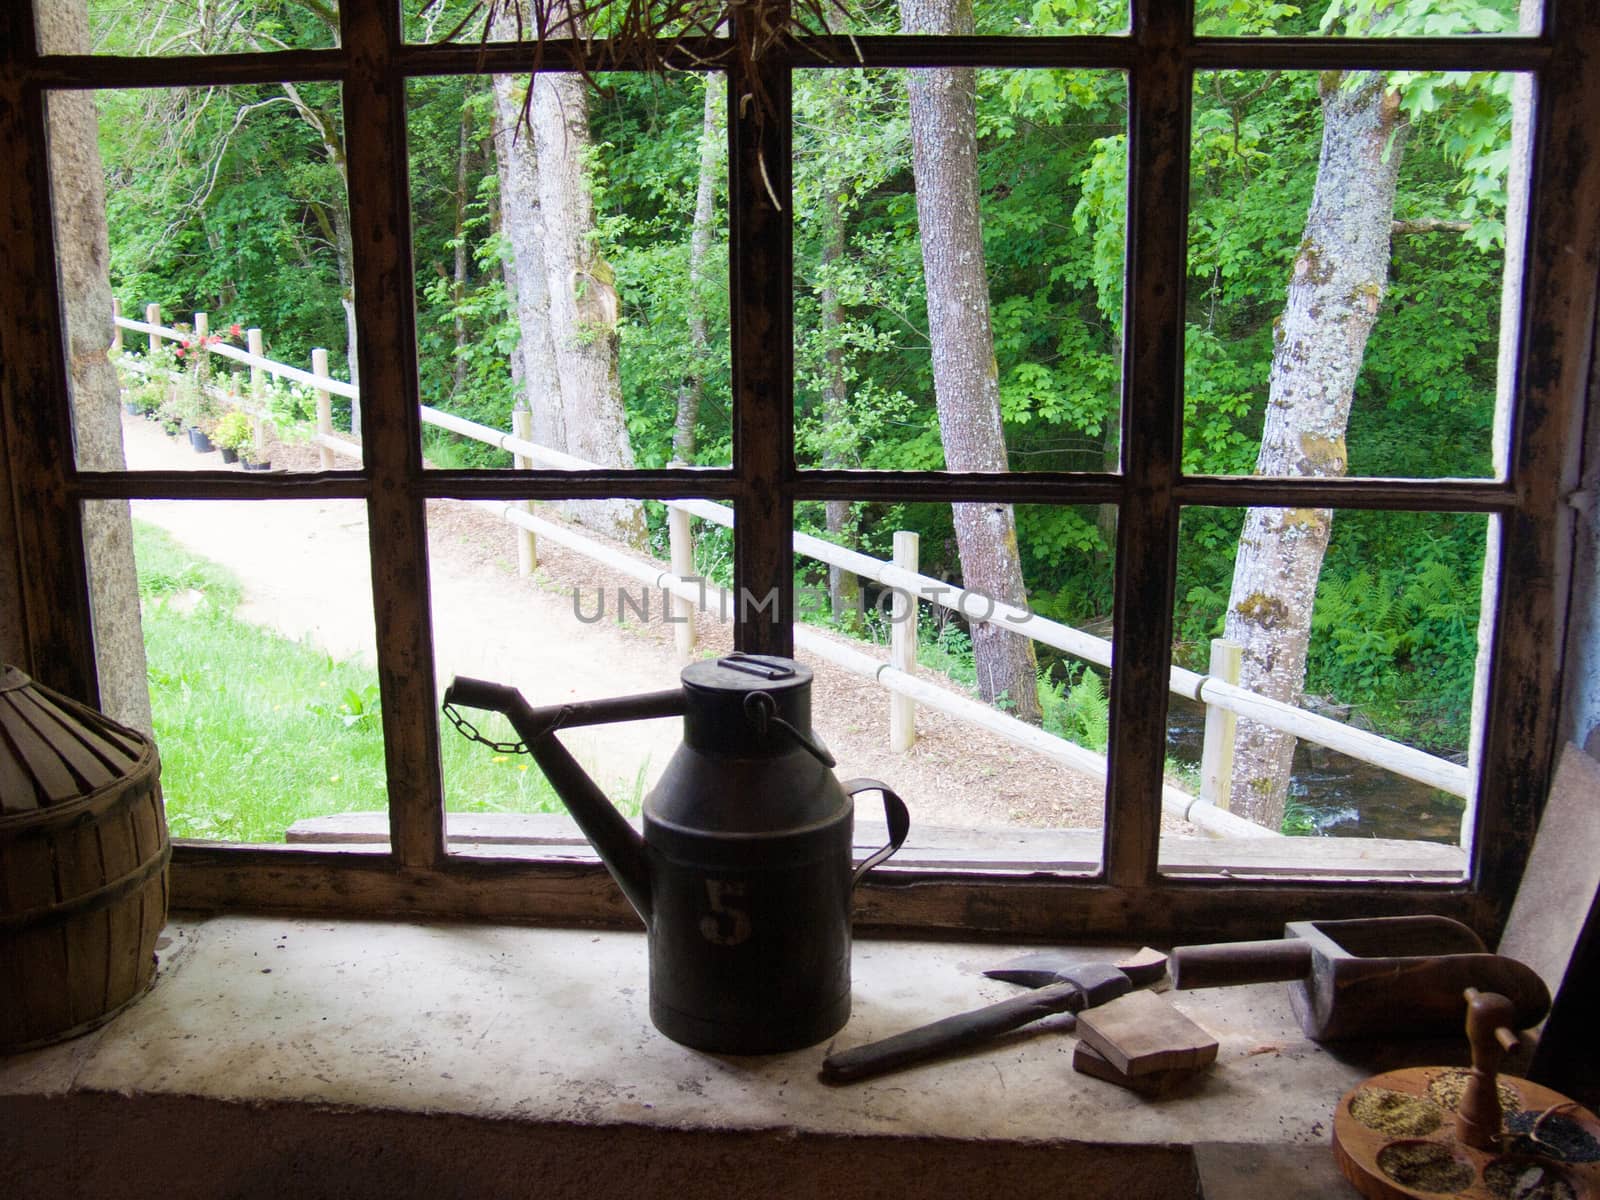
(179, 350)
(233, 331)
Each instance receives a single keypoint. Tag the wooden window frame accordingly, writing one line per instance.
(40, 509)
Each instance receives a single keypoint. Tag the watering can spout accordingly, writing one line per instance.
(616, 841)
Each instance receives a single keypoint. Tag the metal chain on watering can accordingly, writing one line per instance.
(761, 710)
(470, 731)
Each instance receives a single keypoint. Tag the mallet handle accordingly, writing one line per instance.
(1226, 963)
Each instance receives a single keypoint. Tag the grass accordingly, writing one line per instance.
(257, 731)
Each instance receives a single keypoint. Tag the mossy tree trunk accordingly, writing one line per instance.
(844, 588)
(944, 148)
(526, 278)
(713, 136)
(582, 286)
(1335, 292)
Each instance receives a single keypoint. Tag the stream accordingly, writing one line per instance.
(1342, 796)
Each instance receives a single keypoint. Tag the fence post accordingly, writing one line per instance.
(903, 643)
(1216, 759)
(116, 330)
(319, 368)
(527, 543)
(256, 345)
(152, 316)
(680, 540)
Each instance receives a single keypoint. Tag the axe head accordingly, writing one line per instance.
(1054, 966)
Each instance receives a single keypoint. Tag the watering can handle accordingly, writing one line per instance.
(899, 819)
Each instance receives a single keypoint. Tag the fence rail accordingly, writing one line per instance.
(1224, 699)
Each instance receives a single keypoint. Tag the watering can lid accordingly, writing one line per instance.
(739, 672)
(54, 750)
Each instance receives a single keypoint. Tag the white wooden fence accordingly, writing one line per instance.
(1225, 701)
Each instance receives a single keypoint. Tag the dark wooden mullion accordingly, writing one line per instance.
(1402, 495)
(1114, 52)
(215, 485)
(664, 484)
(47, 521)
(1017, 487)
(1384, 54)
(1555, 352)
(1117, 52)
(762, 333)
(1110, 52)
(380, 218)
(1152, 411)
(113, 71)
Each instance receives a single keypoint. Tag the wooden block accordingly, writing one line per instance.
(1088, 1061)
(1141, 1032)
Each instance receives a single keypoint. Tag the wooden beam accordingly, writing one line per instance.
(1152, 415)
(1556, 348)
(45, 531)
(961, 904)
(391, 433)
(760, 211)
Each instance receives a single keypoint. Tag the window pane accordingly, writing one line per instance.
(1386, 625)
(255, 625)
(1027, 295)
(1228, 18)
(552, 615)
(999, 727)
(993, 17)
(572, 261)
(185, 27)
(1346, 271)
(221, 213)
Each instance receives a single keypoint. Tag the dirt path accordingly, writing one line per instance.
(302, 565)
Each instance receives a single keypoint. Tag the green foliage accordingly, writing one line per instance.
(229, 199)
(257, 732)
(1077, 708)
(233, 431)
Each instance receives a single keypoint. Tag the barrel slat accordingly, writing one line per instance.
(125, 922)
(55, 782)
(117, 755)
(16, 785)
(66, 740)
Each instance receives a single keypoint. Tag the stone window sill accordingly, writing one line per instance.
(493, 1057)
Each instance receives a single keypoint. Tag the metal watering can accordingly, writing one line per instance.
(744, 872)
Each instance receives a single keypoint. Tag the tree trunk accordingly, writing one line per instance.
(693, 390)
(78, 193)
(525, 271)
(583, 296)
(844, 588)
(1337, 287)
(347, 297)
(966, 384)
(458, 279)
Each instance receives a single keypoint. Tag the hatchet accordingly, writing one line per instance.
(1057, 989)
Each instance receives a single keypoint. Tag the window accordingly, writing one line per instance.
(1160, 58)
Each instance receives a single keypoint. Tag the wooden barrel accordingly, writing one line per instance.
(83, 864)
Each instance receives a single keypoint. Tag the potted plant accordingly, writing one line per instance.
(233, 435)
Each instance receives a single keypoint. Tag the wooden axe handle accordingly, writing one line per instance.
(1226, 963)
(950, 1034)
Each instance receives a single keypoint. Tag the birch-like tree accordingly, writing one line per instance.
(1335, 292)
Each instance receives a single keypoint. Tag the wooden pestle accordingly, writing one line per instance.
(1489, 1033)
